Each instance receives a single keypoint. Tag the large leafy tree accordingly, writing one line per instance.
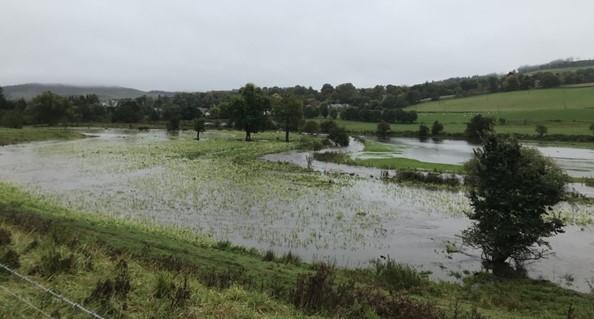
(287, 112)
(249, 110)
(512, 189)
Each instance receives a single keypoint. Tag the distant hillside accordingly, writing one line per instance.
(567, 65)
(30, 90)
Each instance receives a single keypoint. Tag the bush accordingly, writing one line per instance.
(339, 136)
(437, 128)
(423, 131)
(427, 178)
(383, 130)
(5, 237)
(478, 128)
(10, 258)
(311, 127)
(541, 130)
(53, 263)
(328, 126)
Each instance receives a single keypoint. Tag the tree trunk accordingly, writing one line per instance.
(197, 135)
(287, 134)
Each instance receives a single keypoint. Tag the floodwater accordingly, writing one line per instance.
(577, 162)
(349, 220)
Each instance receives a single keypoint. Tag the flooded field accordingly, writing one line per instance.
(577, 162)
(213, 188)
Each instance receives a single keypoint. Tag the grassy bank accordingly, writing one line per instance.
(122, 270)
(32, 134)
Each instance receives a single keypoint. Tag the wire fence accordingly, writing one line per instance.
(51, 292)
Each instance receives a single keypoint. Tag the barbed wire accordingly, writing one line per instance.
(51, 292)
(25, 301)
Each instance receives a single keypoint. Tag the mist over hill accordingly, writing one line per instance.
(30, 90)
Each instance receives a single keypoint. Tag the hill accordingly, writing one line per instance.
(557, 66)
(30, 90)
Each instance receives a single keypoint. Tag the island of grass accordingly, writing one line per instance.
(388, 163)
(32, 134)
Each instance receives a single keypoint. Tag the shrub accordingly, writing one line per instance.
(311, 127)
(268, 256)
(5, 237)
(339, 136)
(383, 130)
(10, 258)
(423, 131)
(53, 263)
(328, 126)
(436, 128)
(541, 130)
(478, 128)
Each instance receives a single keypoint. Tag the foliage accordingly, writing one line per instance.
(478, 128)
(127, 111)
(248, 110)
(287, 111)
(49, 108)
(511, 189)
(383, 130)
(423, 131)
(436, 128)
(541, 130)
(328, 126)
(339, 136)
(12, 119)
(311, 127)
(199, 126)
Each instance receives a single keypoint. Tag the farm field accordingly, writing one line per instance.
(564, 111)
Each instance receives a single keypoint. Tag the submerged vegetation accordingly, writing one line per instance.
(121, 270)
(15, 136)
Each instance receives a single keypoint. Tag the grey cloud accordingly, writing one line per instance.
(201, 45)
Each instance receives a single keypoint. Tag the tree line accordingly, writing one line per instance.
(345, 101)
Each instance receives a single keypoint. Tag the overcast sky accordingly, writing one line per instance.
(222, 44)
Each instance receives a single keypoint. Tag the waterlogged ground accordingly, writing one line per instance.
(577, 162)
(218, 187)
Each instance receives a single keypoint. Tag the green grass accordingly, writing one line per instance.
(32, 134)
(252, 290)
(378, 147)
(408, 164)
(225, 281)
(564, 111)
(547, 99)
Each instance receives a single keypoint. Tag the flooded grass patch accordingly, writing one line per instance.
(31, 134)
